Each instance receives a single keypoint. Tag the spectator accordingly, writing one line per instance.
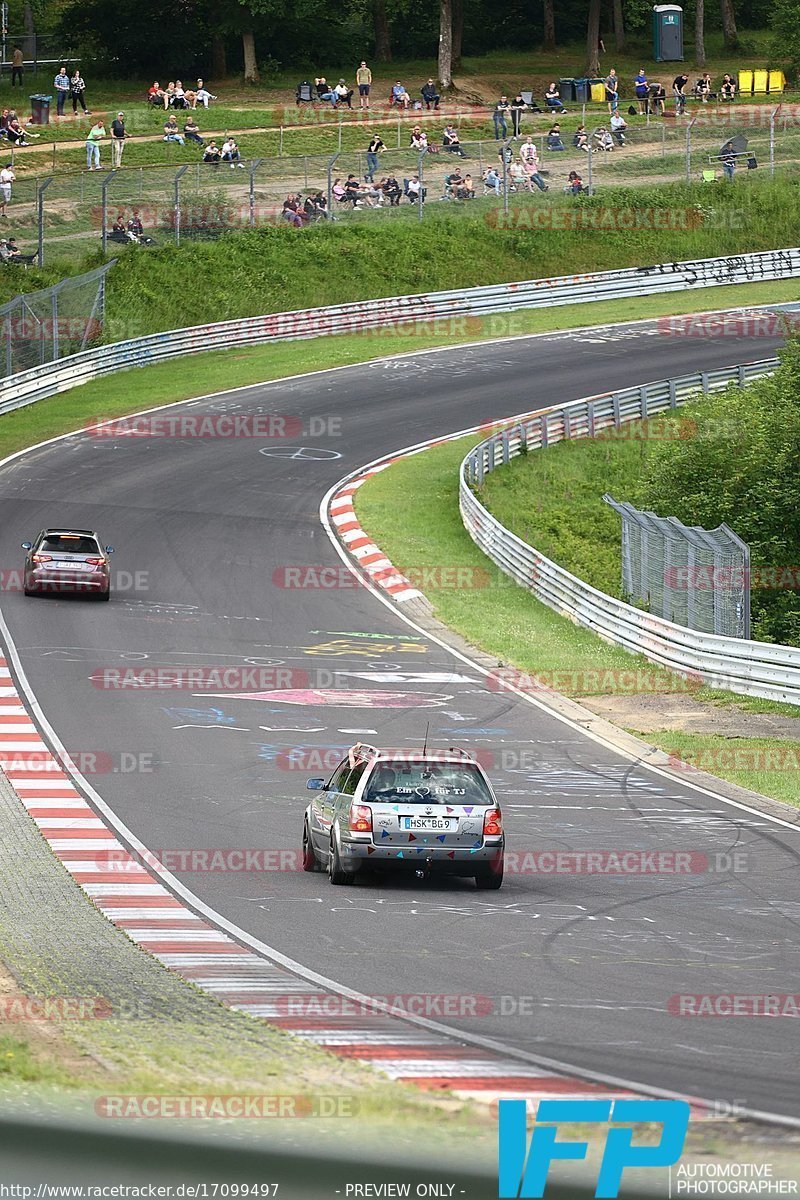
(202, 94)
(415, 190)
(553, 99)
(136, 229)
(618, 126)
(16, 131)
(728, 158)
(506, 156)
(191, 131)
(400, 95)
(580, 139)
(179, 96)
(77, 87)
(168, 94)
(603, 139)
(419, 140)
(391, 190)
(452, 183)
(171, 133)
(337, 190)
(155, 94)
(491, 182)
(574, 184)
(679, 92)
(641, 88)
(530, 162)
(7, 177)
(325, 91)
(17, 63)
(315, 206)
(93, 138)
(344, 94)
(352, 190)
(212, 154)
(703, 89)
(554, 141)
(364, 83)
(657, 98)
(430, 94)
(230, 153)
(10, 250)
(517, 108)
(612, 91)
(519, 177)
(375, 147)
(727, 89)
(118, 231)
(61, 84)
(451, 141)
(291, 210)
(118, 136)
(467, 192)
(499, 118)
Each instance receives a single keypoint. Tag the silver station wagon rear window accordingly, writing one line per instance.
(427, 783)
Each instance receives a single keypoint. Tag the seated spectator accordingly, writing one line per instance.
(467, 191)
(344, 94)
(399, 95)
(191, 131)
(155, 94)
(230, 153)
(167, 94)
(603, 139)
(618, 126)
(727, 89)
(118, 232)
(580, 139)
(4, 119)
(179, 96)
(9, 250)
(315, 206)
(414, 189)
(519, 178)
(430, 94)
(658, 97)
(352, 189)
(554, 141)
(291, 211)
(529, 156)
(553, 99)
(136, 230)
(451, 141)
(338, 192)
(16, 132)
(452, 183)
(491, 182)
(202, 95)
(574, 184)
(325, 91)
(419, 139)
(391, 190)
(171, 133)
(212, 154)
(702, 89)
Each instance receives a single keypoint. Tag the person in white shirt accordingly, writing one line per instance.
(230, 154)
(202, 94)
(7, 177)
(618, 126)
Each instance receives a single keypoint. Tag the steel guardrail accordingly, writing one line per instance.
(752, 668)
(50, 379)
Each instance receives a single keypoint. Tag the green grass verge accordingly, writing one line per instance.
(767, 765)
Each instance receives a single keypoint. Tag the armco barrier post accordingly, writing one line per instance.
(178, 176)
(40, 191)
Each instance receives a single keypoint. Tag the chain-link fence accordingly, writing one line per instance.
(695, 577)
(39, 327)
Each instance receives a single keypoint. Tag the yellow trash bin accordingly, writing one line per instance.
(745, 82)
(598, 92)
(760, 79)
(777, 81)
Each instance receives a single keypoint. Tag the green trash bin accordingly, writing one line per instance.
(566, 90)
(40, 109)
(582, 91)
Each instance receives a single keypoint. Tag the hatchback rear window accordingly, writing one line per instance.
(60, 544)
(427, 783)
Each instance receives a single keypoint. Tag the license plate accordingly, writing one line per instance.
(72, 566)
(437, 824)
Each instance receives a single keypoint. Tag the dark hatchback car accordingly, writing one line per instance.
(65, 561)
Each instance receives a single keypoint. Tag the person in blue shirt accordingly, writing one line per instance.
(61, 84)
(642, 89)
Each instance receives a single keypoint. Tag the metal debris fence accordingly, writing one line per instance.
(695, 577)
(40, 327)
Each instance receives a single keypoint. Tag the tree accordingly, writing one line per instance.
(458, 32)
(729, 31)
(251, 72)
(619, 26)
(785, 25)
(700, 32)
(593, 38)
(549, 39)
(445, 44)
(380, 22)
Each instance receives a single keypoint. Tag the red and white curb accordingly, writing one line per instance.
(132, 897)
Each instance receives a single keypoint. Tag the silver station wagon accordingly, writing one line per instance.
(419, 811)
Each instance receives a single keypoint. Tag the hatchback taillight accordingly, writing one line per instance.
(42, 558)
(492, 823)
(360, 818)
(94, 562)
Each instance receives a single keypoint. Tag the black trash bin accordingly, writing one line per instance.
(566, 90)
(40, 109)
(582, 91)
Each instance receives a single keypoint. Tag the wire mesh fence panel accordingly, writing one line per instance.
(38, 327)
(694, 577)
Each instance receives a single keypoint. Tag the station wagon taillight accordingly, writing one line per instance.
(95, 562)
(492, 823)
(42, 558)
(360, 818)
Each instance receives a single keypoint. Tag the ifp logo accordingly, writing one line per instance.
(523, 1170)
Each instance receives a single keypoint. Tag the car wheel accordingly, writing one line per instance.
(491, 879)
(336, 874)
(104, 595)
(309, 857)
(30, 592)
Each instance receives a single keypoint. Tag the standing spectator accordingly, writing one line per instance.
(430, 94)
(612, 91)
(400, 95)
(191, 131)
(202, 94)
(517, 107)
(118, 136)
(618, 126)
(61, 84)
(77, 87)
(728, 158)
(679, 92)
(17, 62)
(7, 177)
(93, 139)
(506, 155)
(364, 82)
(641, 89)
(499, 118)
(375, 147)
(171, 133)
(554, 141)
(452, 142)
(657, 98)
(212, 154)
